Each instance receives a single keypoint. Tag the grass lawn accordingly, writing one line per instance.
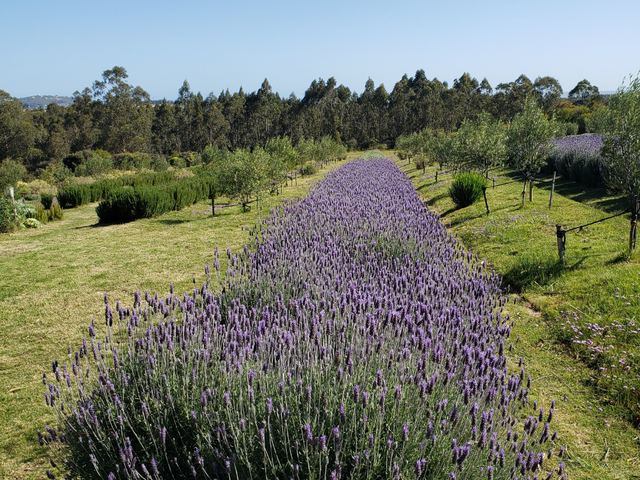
(595, 413)
(53, 281)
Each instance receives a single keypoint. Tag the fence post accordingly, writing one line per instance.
(634, 227)
(562, 240)
(436, 176)
(486, 204)
(553, 186)
(524, 190)
(531, 190)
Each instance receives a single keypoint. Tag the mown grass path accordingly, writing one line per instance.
(53, 281)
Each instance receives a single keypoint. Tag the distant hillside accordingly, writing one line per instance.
(40, 101)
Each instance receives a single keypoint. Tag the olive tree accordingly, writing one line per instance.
(528, 141)
(480, 143)
(621, 148)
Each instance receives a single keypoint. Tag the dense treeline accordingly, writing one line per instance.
(119, 118)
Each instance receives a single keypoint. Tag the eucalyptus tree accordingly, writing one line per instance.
(165, 129)
(82, 120)
(17, 132)
(128, 114)
(548, 91)
(585, 94)
(511, 97)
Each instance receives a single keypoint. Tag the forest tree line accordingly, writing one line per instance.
(117, 117)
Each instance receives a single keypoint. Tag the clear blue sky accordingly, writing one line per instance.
(58, 47)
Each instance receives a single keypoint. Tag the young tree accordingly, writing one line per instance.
(528, 141)
(481, 143)
(621, 149)
(282, 150)
(11, 173)
(218, 172)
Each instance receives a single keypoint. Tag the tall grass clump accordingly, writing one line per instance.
(466, 188)
(356, 339)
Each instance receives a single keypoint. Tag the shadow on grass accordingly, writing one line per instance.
(595, 196)
(172, 221)
(541, 272)
(433, 200)
(532, 271)
(622, 257)
(96, 225)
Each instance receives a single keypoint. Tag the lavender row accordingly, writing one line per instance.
(356, 340)
(578, 158)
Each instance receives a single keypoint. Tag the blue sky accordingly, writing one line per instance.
(63, 46)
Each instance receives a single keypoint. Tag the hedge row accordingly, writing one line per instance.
(81, 194)
(131, 203)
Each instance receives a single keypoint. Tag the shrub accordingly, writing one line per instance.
(32, 223)
(178, 162)
(132, 161)
(324, 357)
(7, 216)
(308, 169)
(160, 164)
(100, 163)
(46, 199)
(466, 188)
(40, 213)
(421, 162)
(56, 212)
(578, 159)
(74, 196)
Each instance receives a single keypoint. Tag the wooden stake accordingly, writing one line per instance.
(524, 190)
(553, 187)
(486, 204)
(562, 240)
(634, 227)
(531, 190)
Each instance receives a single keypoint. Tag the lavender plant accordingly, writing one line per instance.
(578, 158)
(356, 339)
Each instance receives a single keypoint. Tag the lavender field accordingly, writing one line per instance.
(355, 339)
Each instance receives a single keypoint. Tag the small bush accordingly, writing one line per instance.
(132, 161)
(160, 164)
(466, 189)
(74, 196)
(7, 222)
(421, 162)
(177, 162)
(308, 169)
(46, 199)
(56, 212)
(40, 213)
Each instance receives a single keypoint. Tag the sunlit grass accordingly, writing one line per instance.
(596, 415)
